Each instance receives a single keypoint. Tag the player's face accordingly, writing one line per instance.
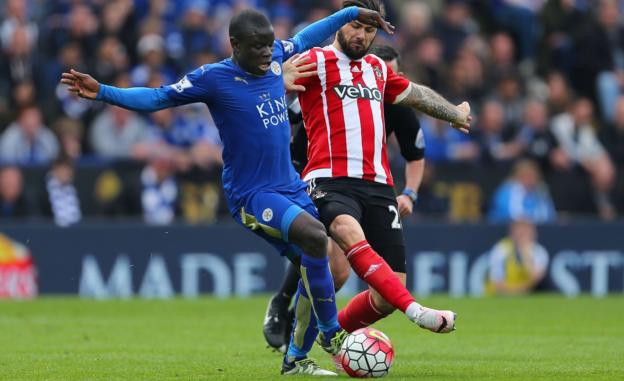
(254, 53)
(356, 38)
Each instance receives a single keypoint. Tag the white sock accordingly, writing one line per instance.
(414, 311)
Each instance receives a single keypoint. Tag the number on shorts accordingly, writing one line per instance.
(396, 223)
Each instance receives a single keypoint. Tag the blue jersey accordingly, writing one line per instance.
(249, 111)
(252, 116)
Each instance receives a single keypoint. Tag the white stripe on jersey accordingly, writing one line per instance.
(318, 173)
(368, 75)
(322, 74)
(353, 128)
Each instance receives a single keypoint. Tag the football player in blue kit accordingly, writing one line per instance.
(247, 99)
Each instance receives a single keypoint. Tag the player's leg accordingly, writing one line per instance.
(338, 207)
(277, 325)
(384, 232)
(271, 216)
(279, 316)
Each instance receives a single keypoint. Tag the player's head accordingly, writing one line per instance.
(251, 36)
(355, 38)
(388, 54)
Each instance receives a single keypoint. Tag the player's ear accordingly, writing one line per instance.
(235, 45)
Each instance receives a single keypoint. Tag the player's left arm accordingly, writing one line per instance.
(426, 100)
(399, 90)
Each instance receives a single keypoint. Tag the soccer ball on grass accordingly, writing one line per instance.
(367, 352)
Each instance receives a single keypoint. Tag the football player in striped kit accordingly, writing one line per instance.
(348, 172)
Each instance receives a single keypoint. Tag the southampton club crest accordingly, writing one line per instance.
(378, 72)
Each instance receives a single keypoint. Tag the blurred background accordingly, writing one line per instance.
(108, 202)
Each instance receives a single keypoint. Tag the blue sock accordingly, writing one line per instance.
(319, 285)
(304, 329)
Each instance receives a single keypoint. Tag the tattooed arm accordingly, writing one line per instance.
(433, 104)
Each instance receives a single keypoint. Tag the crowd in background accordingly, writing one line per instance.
(545, 80)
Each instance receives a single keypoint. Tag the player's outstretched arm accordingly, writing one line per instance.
(433, 104)
(315, 33)
(136, 98)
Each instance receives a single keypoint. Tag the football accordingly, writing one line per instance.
(367, 352)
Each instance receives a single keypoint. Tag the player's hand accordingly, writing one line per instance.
(81, 84)
(463, 124)
(373, 18)
(295, 68)
(406, 206)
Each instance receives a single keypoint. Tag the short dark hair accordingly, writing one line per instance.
(373, 5)
(385, 52)
(244, 23)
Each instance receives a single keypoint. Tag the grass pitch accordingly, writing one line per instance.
(536, 338)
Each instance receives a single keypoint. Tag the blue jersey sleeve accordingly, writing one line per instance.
(193, 87)
(315, 33)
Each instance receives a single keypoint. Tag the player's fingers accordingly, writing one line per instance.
(307, 67)
(307, 74)
(68, 76)
(69, 82)
(78, 74)
(300, 60)
(298, 88)
(386, 26)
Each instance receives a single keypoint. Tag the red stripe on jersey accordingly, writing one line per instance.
(336, 116)
(367, 126)
(381, 85)
(318, 138)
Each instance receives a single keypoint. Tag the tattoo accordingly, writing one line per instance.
(431, 103)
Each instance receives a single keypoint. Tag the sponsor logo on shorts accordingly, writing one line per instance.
(317, 194)
(267, 215)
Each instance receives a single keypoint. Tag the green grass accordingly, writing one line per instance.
(537, 338)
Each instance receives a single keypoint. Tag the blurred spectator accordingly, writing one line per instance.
(518, 262)
(115, 132)
(508, 93)
(560, 20)
(539, 142)
(454, 26)
(112, 60)
(559, 94)
(151, 49)
(160, 192)
(523, 196)
(599, 56)
(69, 133)
(520, 17)
(13, 203)
(502, 52)
(63, 203)
(497, 143)
(69, 57)
(27, 141)
(580, 146)
(445, 144)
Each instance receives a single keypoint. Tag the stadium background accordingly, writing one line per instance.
(543, 78)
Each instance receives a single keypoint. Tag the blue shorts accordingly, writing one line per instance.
(269, 214)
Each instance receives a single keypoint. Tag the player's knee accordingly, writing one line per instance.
(316, 241)
(346, 231)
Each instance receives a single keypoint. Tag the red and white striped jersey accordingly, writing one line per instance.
(343, 114)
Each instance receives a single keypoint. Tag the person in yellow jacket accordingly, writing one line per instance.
(518, 262)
